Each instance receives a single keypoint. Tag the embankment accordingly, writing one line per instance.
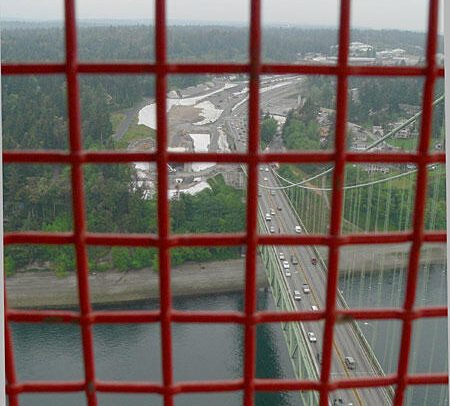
(44, 289)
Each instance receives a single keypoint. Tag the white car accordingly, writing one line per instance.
(312, 337)
(288, 273)
(281, 256)
(266, 169)
(306, 288)
(272, 212)
(298, 229)
(297, 295)
(286, 265)
(265, 179)
(314, 308)
(268, 218)
(272, 229)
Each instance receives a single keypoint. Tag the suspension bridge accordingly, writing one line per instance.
(376, 199)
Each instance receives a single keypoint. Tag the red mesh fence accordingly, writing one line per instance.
(164, 241)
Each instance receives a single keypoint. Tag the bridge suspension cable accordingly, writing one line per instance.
(328, 189)
(369, 147)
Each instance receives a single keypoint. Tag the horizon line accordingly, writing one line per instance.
(170, 22)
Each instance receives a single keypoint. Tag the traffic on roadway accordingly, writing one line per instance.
(305, 275)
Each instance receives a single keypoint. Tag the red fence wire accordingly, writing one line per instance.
(164, 241)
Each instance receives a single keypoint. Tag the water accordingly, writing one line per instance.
(132, 352)
(429, 351)
(206, 351)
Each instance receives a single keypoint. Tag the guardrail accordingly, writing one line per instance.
(356, 329)
(354, 325)
(291, 306)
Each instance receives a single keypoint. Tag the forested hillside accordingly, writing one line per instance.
(38, 197)
(194, 43)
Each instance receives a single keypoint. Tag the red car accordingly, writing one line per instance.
(314, 261)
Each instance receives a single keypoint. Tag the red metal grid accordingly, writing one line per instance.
(166, 315)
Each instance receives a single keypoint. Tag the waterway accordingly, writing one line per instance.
(206, 351)
(132, 352)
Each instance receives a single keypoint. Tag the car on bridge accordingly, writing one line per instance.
(268, 218)
(281, 256)
(350, 362)
(272, 212)
(305, 288)
(279, 208)
(314, 261)
(297, 295)
(312, 337)
(272, 229)
(314, 308)
(294, 260)
(265, 179)
(272, 192)
(286, 265)
(298, 229)
(288, 273)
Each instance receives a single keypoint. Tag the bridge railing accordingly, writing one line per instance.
(287, 297)
(357, 330)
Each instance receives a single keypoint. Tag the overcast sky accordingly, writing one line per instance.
(400, 14)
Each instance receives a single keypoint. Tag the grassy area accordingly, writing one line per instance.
(135, 132)
(116, 119)
(407, 144)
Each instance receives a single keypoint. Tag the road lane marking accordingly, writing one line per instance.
(340, 357)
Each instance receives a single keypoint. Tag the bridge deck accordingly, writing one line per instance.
(347, 341)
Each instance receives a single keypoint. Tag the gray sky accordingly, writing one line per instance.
(400, 14)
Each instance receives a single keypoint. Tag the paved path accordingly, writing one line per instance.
(130, 114)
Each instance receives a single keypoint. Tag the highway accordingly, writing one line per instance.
(346, 342)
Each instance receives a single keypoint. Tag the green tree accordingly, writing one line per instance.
(268, 129)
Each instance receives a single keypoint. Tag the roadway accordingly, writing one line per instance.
(346, 342)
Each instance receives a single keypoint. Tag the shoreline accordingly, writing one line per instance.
(45, 290)
(389, 257)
